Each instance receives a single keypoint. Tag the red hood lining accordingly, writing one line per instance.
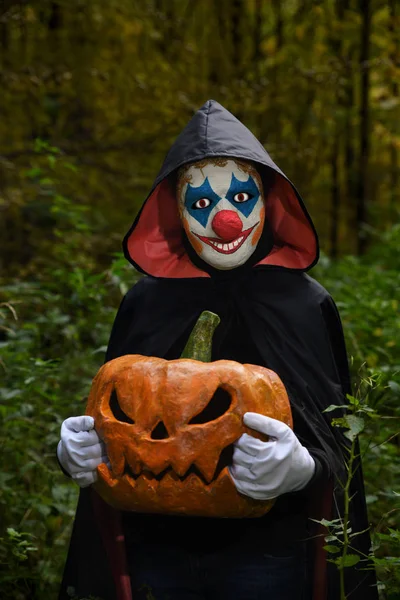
(155, 243)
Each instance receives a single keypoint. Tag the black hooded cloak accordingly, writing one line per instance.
(272, 314)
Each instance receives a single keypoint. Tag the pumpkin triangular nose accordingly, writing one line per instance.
(159, 432)
(227, 225)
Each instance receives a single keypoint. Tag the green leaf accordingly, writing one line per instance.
(326, 523)
(12, 533)
(371, 498)
(33, 173)
(332, 549)
(347, 561)
(331, 538)
(340, 422)
(332, 407)
(46, 181)
(100, 349)
(355, 425)
(394, 387)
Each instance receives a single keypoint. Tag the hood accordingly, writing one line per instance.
(155, 243)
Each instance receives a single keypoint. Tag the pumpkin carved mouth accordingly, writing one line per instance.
(224, 461)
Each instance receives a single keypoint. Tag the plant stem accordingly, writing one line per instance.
(346, 519)
(199, 344)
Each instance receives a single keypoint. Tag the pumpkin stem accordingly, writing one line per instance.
(199, 344)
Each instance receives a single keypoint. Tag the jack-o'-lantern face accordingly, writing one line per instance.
(169, 427)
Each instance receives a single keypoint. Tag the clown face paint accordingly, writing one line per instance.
(222, 210)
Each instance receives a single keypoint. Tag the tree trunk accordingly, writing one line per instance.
(271, 120)
(4, 39)
(55, 19)
(394, 24)
(335, 198)
(237, 18)
(361, 213)
(350, 159)
(216, 75)
(346, 192)
(257, 55)
(277, 4)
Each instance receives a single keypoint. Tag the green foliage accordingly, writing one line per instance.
(54, 329)
(341, 553)
(15, 548)
(386, 557)
(366, 292)
(49, 357)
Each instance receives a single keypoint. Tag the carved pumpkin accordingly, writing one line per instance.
(169, 427)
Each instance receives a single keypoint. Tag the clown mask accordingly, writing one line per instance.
(222, 209)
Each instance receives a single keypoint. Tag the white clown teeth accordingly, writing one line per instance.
(227, 247)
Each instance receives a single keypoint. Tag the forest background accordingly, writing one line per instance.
(92, 94)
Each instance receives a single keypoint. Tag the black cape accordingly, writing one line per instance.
(271, 314)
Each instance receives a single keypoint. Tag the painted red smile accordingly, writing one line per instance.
(226, 247)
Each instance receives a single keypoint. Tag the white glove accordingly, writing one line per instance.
(80, 450)
(265, 470)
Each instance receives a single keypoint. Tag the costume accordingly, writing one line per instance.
(272, 314)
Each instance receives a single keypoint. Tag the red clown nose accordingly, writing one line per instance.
(227, 225)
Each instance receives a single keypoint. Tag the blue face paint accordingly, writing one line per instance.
(243, 187)
(193, 194)
(196, 193)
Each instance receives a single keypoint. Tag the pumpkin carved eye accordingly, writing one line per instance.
(217, 406)
(117, 410)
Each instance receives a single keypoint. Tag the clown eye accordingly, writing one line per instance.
(242, 197)
(202, 203)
